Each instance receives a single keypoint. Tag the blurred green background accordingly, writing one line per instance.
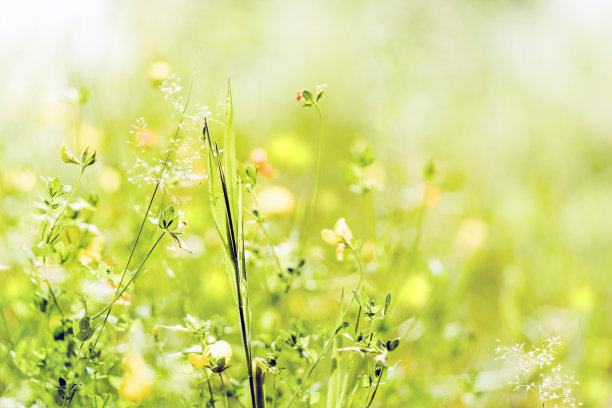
(510, 99)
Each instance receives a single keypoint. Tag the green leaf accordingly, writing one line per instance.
(55, 233)
(168, 219)
(362, 152)
(392, 345)
(387, 303)
(54, 187)
(83, 328)
(351, 173)
(429, 171)
(357, 297)
(229, 152)
(103, 270)
(320, 95)
(308, 96)
(42, 230)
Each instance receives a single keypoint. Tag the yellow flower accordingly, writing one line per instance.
(215, 351)
(200, 361)
(221, 349)
(341, 235)
(275, 200)
(93, 253)
(138, 379)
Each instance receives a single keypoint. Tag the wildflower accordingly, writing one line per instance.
(144, 137)
(259, 157)
(221, 349)
(200, 361)
(299, 96)
(276, 200)
(553, 386)
(109, 179)
(214, 355)
(93, 253)
(138, 379)
(341, 236)
(158, 71)
(267, 171)
(125, 299)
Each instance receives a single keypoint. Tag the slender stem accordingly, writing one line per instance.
(223, 390)
(309, 211)
(313, 366)
(375, 389)
(59, 309)
(326, 347)
(361, 275)
(350, 400)
(68, 398)
(357, 321)
(369, 362)
(268, 236)
(212, 399)
(76, 185)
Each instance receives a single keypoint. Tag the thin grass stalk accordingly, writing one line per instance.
(108, 308)
(228, 216)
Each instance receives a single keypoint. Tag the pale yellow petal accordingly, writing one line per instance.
(221, 349)
(342, 231)
(198, 360)
(340, 252)
(329, 237)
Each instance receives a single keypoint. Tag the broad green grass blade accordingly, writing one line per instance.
(229, 152)
(218, 206)
(226, 202)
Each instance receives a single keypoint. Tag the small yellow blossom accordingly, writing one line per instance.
(216, 351)
(276, 200)
(138, 379)
(221, 349)
(93, 253)
(158, 71)
(200, 360)
(341, 235)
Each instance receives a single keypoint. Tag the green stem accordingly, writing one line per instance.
(59, 309)
(329, 342)
(306, 224)
(375, 389)
(361, 275)
(269, 240)
(223, 390)
(314, 365)
(68, 398)
(76, 185)
(212, 399)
